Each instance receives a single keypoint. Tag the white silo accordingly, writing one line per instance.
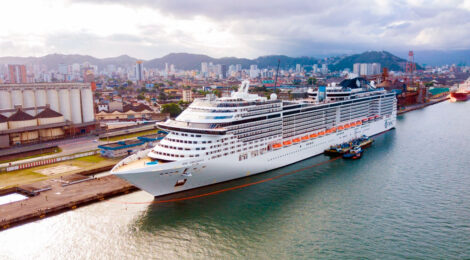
(41, 100)
(53, 99)
(16, 98)
(87, 105)
(75, 106)
(64, 103)
(29, 100)
(5, 101)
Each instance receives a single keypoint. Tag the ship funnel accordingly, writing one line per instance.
(244, 86)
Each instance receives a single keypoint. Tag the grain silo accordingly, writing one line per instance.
(87, 105)
(41, 99)
(5, 101)
(20, 119)
(64, 103)
(53, 99)
(29, 101)
(75, 106)
(16, 98)
(49, 116)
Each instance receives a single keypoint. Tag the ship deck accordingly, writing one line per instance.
(141, 163)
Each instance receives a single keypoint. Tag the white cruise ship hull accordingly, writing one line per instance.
(161, 179)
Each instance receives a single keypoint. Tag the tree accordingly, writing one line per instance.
(141, 96)
(173, 109)
(217, 92)
(162, 96)
(312, 80)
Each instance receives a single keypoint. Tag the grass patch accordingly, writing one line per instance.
(121, 137)
(57, 150)
(92, 159)
(25, 176)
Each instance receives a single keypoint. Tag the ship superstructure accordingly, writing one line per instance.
(220, 139)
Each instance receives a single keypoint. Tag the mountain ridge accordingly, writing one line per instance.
(189, 61)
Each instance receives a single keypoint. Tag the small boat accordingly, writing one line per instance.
(286, 143)
(296, 140)
(305, 138)
(338, 150)
(277, 146)
(354, 153)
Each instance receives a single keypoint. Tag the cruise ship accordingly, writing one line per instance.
(221, 139)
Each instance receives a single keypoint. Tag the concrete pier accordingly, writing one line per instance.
(58, 195)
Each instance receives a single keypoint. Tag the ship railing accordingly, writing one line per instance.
(137, 156)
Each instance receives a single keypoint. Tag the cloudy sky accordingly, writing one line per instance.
(244, 28)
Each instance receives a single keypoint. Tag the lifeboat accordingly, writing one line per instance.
(364, 120)
(353, 124)
(305, 138)
(277, 146)
(296, 140)
(333, 129)
(313, 135)
(359, 123)
(340, 127)
(346, 126)
(321, 133)
(377, 116)
(371, 118)
(286, 143)
(328, 131)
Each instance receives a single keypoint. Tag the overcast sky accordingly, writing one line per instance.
(243, 28)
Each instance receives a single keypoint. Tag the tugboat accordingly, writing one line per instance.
(354, 153)
(338, 150)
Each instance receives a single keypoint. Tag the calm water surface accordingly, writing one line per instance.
(408, 197)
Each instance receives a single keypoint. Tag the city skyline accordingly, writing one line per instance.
(148, 29)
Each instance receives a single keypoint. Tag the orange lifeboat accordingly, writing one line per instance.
(333, 129)
(277, 146)
(376, 116)
(371, 118)
(359, 123)
(340, 127)
(365, 120)
(305, 138)
(313, 135)
(287, 143)
(353, 124)
(296, 140)
(346, 126)
(321, 133)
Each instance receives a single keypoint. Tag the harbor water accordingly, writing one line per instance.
(408, 197)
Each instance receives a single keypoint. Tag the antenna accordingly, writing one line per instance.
(277, 73)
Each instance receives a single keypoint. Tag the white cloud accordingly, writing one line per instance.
(244, 28)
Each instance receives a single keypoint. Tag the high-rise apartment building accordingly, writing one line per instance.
(17, 73)
(139, 71)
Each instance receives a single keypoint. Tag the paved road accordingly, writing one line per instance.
(69, 146)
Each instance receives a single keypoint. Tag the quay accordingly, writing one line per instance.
(48, 198)
(420, 106)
